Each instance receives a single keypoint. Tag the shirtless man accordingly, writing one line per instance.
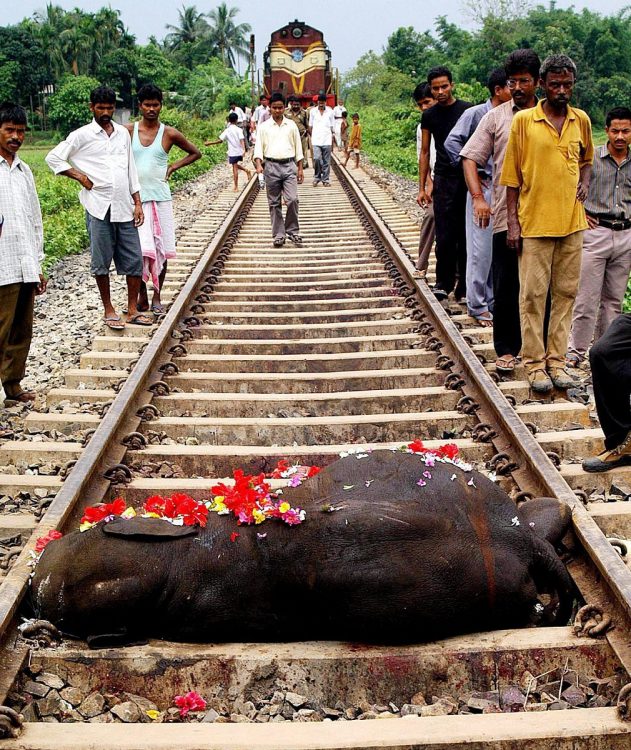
(151, 143)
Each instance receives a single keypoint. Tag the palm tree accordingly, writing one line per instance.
(192, 28)
(226, 36)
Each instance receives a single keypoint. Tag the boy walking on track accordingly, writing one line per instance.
(354, 141)
(233, 136)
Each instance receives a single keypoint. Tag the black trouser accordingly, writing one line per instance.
(506, 326)
(610, 359)
(450, 201)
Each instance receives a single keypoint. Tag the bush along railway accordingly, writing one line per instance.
(302, 354)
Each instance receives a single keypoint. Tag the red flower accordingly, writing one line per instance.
(416, 446)
(450, 450)
(190, 702)
(97, 513)
(154, 504)
(313, 470)
(233, 536)
(43, 541)
(281, 466)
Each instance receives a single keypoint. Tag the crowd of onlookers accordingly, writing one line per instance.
(531, 222)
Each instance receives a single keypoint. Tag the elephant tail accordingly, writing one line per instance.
(550, 576)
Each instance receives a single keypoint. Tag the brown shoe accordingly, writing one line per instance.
(539, 381)
(611, 459)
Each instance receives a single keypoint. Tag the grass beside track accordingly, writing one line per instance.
(64, 218)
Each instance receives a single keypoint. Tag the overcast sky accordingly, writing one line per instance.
(350, 28)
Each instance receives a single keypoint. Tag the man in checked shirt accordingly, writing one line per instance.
(21, 254)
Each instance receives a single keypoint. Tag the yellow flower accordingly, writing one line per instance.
(284, 507)
(153, 714)
(219, 505)
(258, 516)
(85, 526)
(128, 513)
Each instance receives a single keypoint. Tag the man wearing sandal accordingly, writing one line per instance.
(21, 254)
(99, 157)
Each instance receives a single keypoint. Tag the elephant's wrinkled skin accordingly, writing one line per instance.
(394, 562)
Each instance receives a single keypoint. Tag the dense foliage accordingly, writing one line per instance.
(600, 46)
(46, 61)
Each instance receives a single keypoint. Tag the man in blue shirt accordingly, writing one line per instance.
(479, 237)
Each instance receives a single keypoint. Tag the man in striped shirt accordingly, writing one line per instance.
(606, 260)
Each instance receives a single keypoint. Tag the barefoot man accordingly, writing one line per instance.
(151, 142)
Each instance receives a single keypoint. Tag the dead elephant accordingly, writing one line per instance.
(392, 550)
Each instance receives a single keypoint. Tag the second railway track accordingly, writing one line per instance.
(301, 353)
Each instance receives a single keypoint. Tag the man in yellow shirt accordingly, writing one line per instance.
(546, 172)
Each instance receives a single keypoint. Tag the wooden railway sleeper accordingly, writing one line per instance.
(118, 474)
(135, 440)
(503, 464)
(591, 621)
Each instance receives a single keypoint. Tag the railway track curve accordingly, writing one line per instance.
(300, 354)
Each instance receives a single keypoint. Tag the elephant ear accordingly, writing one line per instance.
(147, 528)
(548, 517)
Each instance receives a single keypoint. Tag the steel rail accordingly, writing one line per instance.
(94, 457)
(610, 566)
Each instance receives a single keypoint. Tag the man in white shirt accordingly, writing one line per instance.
(338, 112)
(99, 157)
(321, 126)
(21, 254)
(278, 145)
(261, 113)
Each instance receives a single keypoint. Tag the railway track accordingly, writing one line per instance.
(300, 353)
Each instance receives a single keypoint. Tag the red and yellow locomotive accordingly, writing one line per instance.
(297, 61)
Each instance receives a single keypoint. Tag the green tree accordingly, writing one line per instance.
(205, 85)
(371, 81)
(189, 41)
(68, 107)
(411, 52)
(154, 66)
(118, 68)
(227, 37)
(22, 64)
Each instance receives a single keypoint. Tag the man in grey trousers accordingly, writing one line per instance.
(278, 146)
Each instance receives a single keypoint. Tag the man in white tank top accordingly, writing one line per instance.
(151, 143)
